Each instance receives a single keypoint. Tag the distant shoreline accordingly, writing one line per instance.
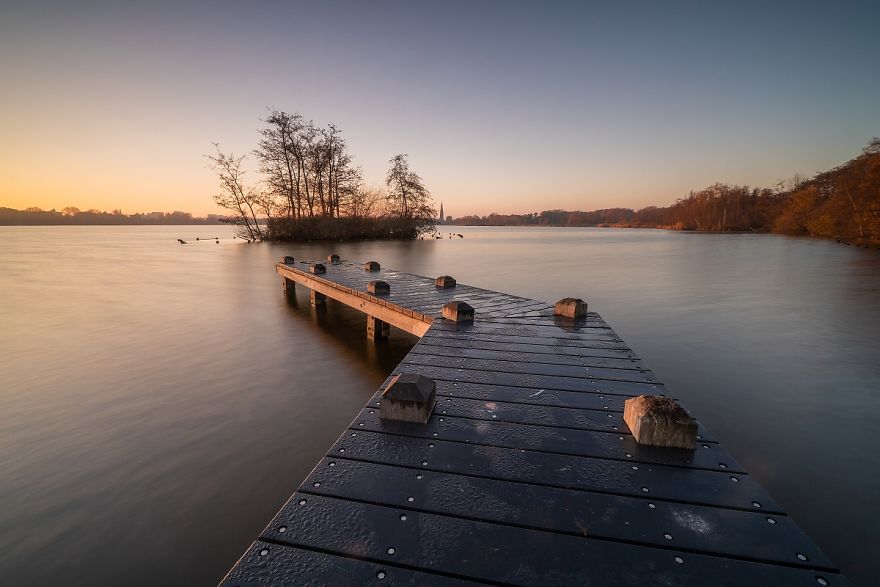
(856, 242)
(71, 216)
(205, 223)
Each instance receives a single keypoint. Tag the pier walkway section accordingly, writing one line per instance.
(525, 473)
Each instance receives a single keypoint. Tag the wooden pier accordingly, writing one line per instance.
(525, 473)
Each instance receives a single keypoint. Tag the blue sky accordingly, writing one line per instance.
(502, 106)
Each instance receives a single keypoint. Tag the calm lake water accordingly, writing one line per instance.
(159, 402)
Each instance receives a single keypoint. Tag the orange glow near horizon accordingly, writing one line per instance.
(527, 109)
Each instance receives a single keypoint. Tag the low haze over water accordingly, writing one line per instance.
(159, 402)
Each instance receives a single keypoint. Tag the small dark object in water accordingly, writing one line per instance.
(181, 241)
(218, 242)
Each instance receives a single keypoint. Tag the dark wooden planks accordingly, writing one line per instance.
(538, 347)
(462, 336)
(685, 485)
(526, 367)
(537, 382)
(536, 328)
(549, 438)
(613, 359)
(527, 395)
(272, 563)
(525, 474)
(506, 554)
(420, 293)
(710, 530)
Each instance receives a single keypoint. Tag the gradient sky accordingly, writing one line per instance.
(502, 106)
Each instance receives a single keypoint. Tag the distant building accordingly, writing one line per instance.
(441, 220)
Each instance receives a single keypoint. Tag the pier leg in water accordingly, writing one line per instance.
(288, 286)
(376, 329)
(317, 299)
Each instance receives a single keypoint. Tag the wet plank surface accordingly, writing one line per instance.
(525, 474)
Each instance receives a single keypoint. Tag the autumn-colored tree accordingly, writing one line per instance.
(796, 214)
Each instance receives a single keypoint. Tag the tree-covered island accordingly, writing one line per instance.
(309, 189)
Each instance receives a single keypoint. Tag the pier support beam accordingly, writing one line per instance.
(370, 303)
(288, 286)
(377, 329)
(317, 299)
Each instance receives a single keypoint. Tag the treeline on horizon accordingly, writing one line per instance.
(74, 216)
(842, 203)
(309, 189)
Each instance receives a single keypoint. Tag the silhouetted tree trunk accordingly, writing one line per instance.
(234, 195)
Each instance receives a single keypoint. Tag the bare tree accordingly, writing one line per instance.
(364, 202)
(307, 170)
(408, 198)
(234, 195)
(407, 195)
(278, 156)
